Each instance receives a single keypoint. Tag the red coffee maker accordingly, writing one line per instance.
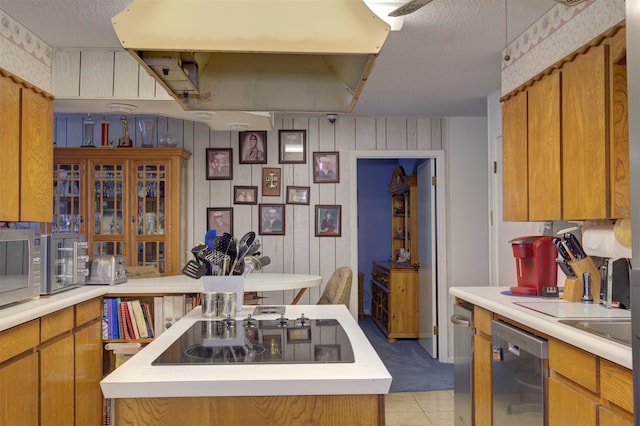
(535, 264)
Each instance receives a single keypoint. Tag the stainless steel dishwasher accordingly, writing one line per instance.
(462, 320)
(520, 372)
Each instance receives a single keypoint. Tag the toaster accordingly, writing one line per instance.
(107, 270)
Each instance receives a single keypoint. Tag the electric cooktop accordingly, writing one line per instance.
(251, 341)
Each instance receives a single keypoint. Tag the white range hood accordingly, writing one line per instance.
(255, 55)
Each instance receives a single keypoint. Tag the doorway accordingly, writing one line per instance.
(432, 280)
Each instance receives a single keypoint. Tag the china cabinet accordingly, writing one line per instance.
(127, 201)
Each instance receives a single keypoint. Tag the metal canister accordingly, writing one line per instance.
(228, 303)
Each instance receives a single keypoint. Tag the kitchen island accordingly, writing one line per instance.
(238, 393)
(587, 377)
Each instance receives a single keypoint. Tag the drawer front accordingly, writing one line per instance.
(89, 310)
(575, 364)
(56, 323)
(19, 339)
(616, 384)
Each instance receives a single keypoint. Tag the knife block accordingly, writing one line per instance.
(574, 287)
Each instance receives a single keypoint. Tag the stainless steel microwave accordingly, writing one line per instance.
(64, 262)
(20, 265)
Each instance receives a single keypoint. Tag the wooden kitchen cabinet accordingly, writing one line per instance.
(394, 299)
(26, 125)
(482, 367)
(565, 139)
(51, 368)
(515, 184)
(543, 148)
(586, 389)
(127, 201)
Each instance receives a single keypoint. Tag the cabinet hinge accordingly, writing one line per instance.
(495, 167)
(434, 180)
(435, 330)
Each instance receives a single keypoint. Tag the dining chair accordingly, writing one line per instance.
(338, 289)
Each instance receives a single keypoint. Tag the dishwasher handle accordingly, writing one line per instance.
(460, 320)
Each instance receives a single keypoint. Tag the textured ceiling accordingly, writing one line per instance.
(444, 61)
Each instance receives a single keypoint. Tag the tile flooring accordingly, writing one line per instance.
(434, 408)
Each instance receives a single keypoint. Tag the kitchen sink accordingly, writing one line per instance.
(618, 330)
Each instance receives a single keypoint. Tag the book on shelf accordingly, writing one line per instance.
(132, 320)
(140, 321)
(167, 309)
(125, 322)
(148, 319)
(105, 319)
(158, 315)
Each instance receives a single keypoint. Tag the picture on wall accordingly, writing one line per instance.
(326, 167)
(328, 221)
(271, 181)
(292, 146)
(297, 195)
(271, 219)
(253, 147)
(219, 163)
(220, 219)
(245, 194)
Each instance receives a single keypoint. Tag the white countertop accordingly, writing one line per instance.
(138, 378)
(544, 315)
(19, 313)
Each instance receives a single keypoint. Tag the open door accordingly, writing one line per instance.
(427, 273)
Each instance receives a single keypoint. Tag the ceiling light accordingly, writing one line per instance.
(122, 108)
(238, 126)
(202, 115)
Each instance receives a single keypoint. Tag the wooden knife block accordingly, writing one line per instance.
(573, 287)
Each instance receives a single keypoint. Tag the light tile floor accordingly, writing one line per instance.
(434, 408)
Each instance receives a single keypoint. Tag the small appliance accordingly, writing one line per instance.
(107, 270)
(20, 265)
(64, 262)
(535, 264)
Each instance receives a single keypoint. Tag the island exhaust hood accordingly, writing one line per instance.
(255, 55)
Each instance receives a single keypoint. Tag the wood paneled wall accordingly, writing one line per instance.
(299, 250)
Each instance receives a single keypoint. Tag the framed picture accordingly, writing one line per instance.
(253, 147)
(326, 167)
(271, 219)
(328, 221)
(299, 335)
(220, 219)
(297, 195)
(292, 146)
(271, 181)
(327, 353)
(219, 164)
(245, 194)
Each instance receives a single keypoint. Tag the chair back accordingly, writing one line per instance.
(338, 289)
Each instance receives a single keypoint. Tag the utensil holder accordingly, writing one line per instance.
(573, 287)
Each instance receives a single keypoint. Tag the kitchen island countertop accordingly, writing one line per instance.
(137, 378)
(525, 310)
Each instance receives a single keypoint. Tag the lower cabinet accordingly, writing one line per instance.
(52, 367)
(394, 300)
(23, 375)
(582, 388)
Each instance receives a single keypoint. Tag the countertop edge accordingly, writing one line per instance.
(492, 299)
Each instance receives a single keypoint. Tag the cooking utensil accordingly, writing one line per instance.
(574, 246)
(194, 269)
(253, 248)
(562, 250)
(564, 266)
(209, 238)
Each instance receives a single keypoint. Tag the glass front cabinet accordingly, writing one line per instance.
(127, 201)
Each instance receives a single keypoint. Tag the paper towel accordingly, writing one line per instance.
(599, 240)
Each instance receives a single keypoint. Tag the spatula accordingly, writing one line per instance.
(194, 269)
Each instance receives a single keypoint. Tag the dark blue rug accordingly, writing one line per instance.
(410, 366)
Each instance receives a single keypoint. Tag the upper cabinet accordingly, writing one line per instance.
(404, 216)
(26, 141)
(565, 143)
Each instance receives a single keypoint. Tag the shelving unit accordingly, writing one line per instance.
(404, 216)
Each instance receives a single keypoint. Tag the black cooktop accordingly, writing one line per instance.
(251, 341)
